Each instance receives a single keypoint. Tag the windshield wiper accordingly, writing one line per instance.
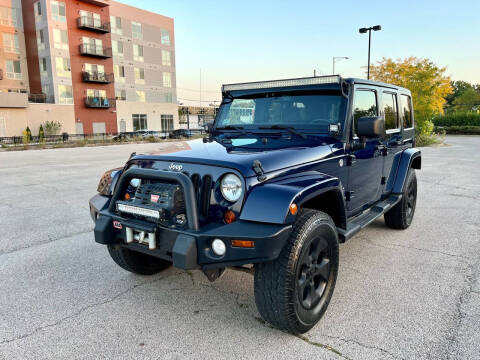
(240, 129)
(280, 127)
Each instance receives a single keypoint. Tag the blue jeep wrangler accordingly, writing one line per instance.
(289, 170)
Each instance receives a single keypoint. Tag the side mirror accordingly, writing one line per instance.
(371, 126)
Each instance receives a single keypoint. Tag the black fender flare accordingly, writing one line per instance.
(410, 158)
(270, 202)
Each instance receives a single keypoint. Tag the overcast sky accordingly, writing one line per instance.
(236, 41)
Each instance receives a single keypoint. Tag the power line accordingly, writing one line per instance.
(196, 100)
(196, 90)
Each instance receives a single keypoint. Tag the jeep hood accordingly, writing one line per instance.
(239, 158)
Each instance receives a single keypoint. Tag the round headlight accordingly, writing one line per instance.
(135, 182)
(231, 187)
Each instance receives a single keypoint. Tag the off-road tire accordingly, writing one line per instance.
(137, 262)
(278, 284)
(401, 215)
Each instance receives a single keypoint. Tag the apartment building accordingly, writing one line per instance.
(113, 63)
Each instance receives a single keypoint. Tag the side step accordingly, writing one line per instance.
(358, 222)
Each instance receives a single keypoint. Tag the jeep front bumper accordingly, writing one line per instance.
(187, 249)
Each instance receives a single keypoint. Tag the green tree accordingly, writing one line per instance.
(427, 82)
(469, 100)
(459, 88)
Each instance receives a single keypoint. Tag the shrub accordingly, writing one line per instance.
(457, 119)
(41, 134)
(52, 127)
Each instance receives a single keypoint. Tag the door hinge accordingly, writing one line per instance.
(349, 195)
(384, 180)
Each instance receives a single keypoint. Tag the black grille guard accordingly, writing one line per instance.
(180, 178)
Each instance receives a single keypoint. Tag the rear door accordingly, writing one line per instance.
(394, 139)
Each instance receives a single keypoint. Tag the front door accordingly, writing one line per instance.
(366, 164)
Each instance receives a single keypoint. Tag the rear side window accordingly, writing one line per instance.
(365, 104)
(390, 111)
(406, 104)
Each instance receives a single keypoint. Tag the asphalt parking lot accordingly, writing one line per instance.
(411, 294)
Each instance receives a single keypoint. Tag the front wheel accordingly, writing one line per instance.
(293, 292)
(137, 262)
(401, 215)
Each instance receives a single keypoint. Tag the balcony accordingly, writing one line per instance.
(95, 50)
(97, 77)
(13, 100)
(89, 23)
(98, 102)
(40, 99)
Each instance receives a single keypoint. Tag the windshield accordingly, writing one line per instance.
(313, 111)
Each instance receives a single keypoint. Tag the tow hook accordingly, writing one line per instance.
(142, 237)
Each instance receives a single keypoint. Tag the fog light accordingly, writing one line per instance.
(218, 247)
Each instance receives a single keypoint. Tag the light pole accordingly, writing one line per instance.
(363, 31)
(337, 58)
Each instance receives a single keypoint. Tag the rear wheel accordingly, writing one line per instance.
(293, 292)
(137, 262)
(401, 215)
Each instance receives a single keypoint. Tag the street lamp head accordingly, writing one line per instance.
(377, 27)
(362, 30)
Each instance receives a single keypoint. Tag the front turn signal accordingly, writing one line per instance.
(229, 217)
(243, 243)
(293, 209)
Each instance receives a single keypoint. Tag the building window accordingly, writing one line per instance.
(139, 122)
(167, 79)
(116, 25)
(43, 66)
(62, 65)
(58, 11)
(11, 43)
(9, 16)
(119, 73)
(140, 96)
(166, 58)
(65, 95)
(117, 48)
(168, 98)
(167, 122)
(95, 71)
(41, 39)
(137, 30)
(406, 104)
(138, 52)
(91, 19)
(60, 39)
(94, 94)
(390, 111)
(93, 45)
(120, 94)
(139, 76)
(165, 37)
(14, 71)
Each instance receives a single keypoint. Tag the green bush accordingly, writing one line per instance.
(427, 140)
(457, 119)
(464, 130)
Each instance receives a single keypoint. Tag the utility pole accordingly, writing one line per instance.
(335, 59)
(200, 87)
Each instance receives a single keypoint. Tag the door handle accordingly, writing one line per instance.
(351, 159)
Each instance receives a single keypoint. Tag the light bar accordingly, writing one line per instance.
(334, 79)
(135, 210)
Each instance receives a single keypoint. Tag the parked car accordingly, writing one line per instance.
(121, 137)
(272, 191)
(180, 133)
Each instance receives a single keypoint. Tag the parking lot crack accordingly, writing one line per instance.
(371, 347)
(323, 346)
(391, 246)
(82, 310)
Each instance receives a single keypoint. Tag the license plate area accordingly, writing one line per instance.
(141, 237)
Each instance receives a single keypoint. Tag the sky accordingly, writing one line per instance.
(241, 41)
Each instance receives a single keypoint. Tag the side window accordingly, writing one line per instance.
(365, 105)
(407, 118)
(390, 111)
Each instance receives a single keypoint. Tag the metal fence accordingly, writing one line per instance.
(153, 136)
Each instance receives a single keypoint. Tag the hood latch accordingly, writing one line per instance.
(258, 168)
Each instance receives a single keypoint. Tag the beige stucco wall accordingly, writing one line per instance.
(14, 121)
(125, 109)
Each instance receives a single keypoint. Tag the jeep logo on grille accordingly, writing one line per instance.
(175, 167)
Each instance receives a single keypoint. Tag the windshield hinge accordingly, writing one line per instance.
(258, 168)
